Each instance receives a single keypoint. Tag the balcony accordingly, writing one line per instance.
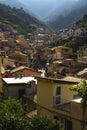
(63, 105)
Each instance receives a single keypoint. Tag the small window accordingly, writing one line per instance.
(58, 100)
(58, 96)
(2, 60)
(21, 92)
(76, 96)
(56, 117)
(58, 91)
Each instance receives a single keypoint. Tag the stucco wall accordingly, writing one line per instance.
(12, 90)
(45, 92)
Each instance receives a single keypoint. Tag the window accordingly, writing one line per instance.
(58, 96)
(56, 117)
(68, 125)
(2, 60)
(58, 91)
(58, 100)
(21, 92)
(76, 96)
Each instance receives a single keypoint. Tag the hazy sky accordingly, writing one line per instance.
(47, 0)
(43, 7)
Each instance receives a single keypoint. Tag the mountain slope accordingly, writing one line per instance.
(14, 3)
(18, 18)
(39, 8)
(77, 38)
(67, 17)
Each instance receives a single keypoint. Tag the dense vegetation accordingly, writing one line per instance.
(12, 117)
(19, 19)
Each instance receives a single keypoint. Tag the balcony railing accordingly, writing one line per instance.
(63, 104)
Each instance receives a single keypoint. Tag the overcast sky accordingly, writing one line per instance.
(43, 7)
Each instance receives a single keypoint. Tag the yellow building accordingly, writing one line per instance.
(1, 62)
(64, 51)
(55, 99)
(0, 76)
(17, 55)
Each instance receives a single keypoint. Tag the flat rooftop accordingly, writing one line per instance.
(19, 80)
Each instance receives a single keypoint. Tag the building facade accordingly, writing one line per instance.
(19, 87)
(55, 99)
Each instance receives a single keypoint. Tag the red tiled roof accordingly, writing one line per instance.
(25, 71)
(23, 43)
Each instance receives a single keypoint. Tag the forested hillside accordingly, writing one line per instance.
(19, 19)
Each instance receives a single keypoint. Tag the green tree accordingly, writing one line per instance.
(12, 116)
(81, 88)
(44, 123)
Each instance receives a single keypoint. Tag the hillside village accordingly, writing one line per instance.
(34, 64)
